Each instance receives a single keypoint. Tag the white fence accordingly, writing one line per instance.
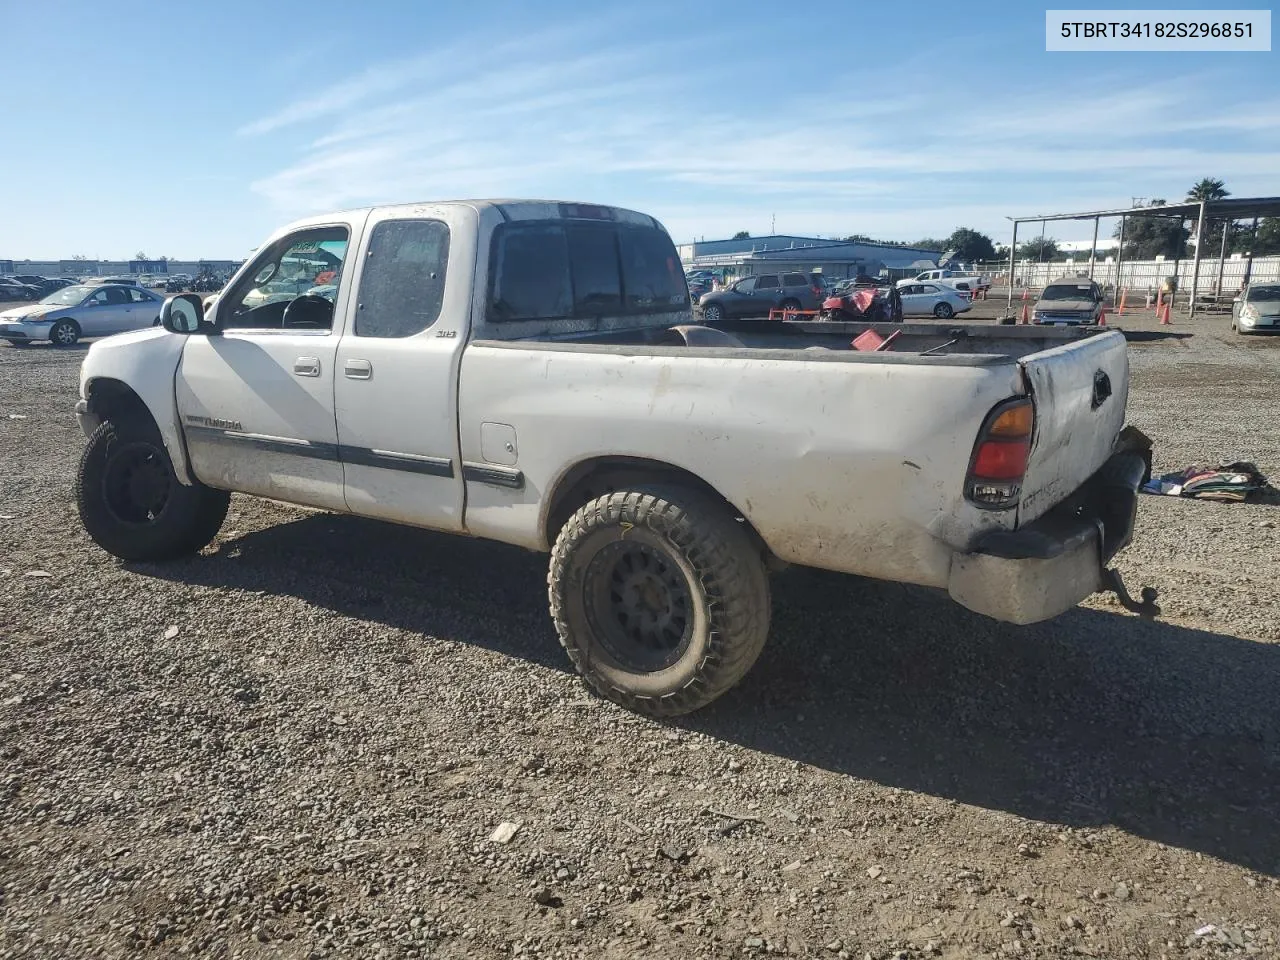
(1140, 275)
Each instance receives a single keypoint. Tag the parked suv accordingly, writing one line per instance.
(756, 296)
(1069, 301)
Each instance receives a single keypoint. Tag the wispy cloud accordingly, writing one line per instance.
(572, 113)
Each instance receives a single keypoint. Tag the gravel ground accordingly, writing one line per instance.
(305, 742)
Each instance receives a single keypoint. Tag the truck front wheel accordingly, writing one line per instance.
(660, 598)
(131, 502)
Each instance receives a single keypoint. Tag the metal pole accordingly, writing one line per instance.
(1093, 250)
(1195, 262)
(1253, 242)
(1222, 256)
(1013, 253)
(1177, 262)
(1120, 254)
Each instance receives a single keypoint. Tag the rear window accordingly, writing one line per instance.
(554, 269)
(1259, 294)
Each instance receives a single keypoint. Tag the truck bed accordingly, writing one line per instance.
(945, 344)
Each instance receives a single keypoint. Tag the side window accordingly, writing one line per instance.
(99, 299)
(402, 287)
(766, 283)
(745, 286)
(795, 280)
(593, 262)
(651, 276)
(530, 270)
(139, 296)
(285, 272)
(116, 295)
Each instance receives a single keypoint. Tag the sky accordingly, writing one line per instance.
(195, 129)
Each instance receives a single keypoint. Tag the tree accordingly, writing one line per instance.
(1040, 249)
(140, 256)
(742, 235)
(971, 245)
(1146, 238)
(1208, 188)
(931, 243)
(1268, 240)
(79, 256)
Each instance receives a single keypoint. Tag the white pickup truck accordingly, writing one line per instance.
(528, 372)
(962, 280)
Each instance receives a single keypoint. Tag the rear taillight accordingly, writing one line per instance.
(1000, 455)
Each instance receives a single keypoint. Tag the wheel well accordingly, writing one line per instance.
(113, 400)
(594, 478)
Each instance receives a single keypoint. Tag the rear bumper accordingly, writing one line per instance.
(1047, 567)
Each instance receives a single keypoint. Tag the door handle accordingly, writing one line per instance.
(306, 367)
(358, 370)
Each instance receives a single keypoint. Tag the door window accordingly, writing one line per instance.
(795, 280)
(116, 295)
(745, 286)
(140, 296)
(766, 283)
(99, 298)
(402, 288)
(285, 273)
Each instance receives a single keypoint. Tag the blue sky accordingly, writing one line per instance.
(194, 129)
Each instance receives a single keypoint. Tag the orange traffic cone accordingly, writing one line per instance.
(1124, 296)
(1159, 302)
(1102, 316)
(1026, 315)
(1164, 317)
(1024, 293)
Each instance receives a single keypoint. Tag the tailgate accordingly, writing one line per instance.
(1080, 391)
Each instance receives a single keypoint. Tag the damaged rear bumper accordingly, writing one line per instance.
(1047, 567)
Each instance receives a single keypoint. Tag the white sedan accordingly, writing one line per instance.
(66, 315)
(932, 299)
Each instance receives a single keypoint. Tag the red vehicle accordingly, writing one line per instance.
(869, 303)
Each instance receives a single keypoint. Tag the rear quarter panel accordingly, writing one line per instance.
(850, 464)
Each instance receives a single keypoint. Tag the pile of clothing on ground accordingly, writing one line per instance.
(1230, 480)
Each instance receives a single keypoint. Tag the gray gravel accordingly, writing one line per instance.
(302, 742)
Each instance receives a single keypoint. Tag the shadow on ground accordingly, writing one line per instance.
(1096, 718)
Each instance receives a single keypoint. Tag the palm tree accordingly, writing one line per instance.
(1208, 188)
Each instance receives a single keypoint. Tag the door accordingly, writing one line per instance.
(143, 310)
(104, 312)
(767, 294)
(255, 398)
(915, 301)
(738, 300)
(397, 368)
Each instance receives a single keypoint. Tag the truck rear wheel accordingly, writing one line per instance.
(131, 502)
(660, 598)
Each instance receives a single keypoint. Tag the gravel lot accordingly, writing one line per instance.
(300, 743)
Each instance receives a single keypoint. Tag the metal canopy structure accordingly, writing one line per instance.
(1229, 209)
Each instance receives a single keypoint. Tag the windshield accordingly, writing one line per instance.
(1258, 294)
(67, 296)
(1064, 292)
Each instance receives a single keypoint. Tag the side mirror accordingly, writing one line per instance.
(182, 314)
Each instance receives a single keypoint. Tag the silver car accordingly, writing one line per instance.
(932, 299)
(66, 315)
(1257, 309)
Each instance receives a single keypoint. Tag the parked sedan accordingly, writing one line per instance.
(1257, 309)
(16, 290)
(932, 299)
(65, 316)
